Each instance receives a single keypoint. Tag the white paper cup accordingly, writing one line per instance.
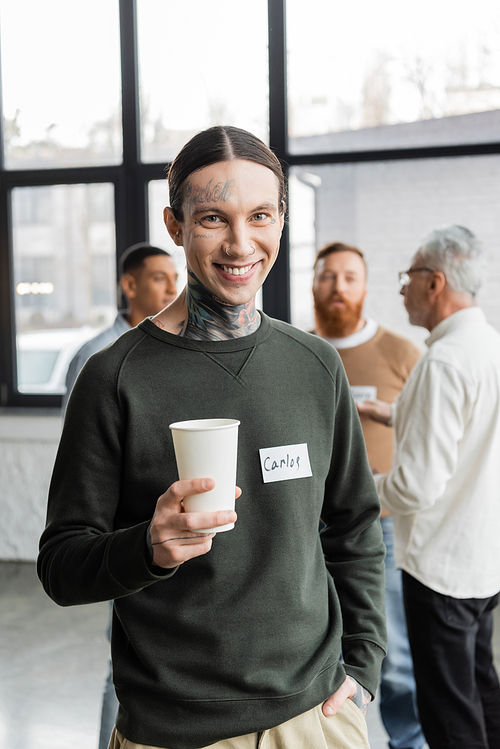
(208, 448)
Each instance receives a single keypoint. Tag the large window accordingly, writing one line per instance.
(64, 277)
(200, 66)
(386, 117)
(61, 83)
(392, 74)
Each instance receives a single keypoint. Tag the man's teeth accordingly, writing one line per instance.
(236, 271)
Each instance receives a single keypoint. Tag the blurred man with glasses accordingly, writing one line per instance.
(443, 490)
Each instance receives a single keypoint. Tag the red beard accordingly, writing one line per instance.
(337, 322)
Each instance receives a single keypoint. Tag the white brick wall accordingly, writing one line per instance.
(386, 209)
(28, 447)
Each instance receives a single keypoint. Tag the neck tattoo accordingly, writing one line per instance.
(211, 319)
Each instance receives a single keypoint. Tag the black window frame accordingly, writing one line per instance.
(131, 178)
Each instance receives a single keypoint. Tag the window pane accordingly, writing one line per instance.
(64, 277)
(386, 209)
(200, 66)
(158, 234)
(61, 83)
(392, 74)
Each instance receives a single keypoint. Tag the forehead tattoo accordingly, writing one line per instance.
(211, 193)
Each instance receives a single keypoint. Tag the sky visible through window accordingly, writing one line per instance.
(61, 81)
(375, 63)
(350, 66)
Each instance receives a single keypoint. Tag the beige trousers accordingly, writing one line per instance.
(311, 730)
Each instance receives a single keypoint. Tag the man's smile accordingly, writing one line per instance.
(236, 270)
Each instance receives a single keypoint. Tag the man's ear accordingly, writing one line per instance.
(174, 227)
(282, 216)
(129, 285)
(437, 282)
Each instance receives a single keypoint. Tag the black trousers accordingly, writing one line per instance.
(458, 692)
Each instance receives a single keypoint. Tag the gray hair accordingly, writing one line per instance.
(456, 252)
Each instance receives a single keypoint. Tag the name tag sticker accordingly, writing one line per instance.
(362, 393)
(287, 462)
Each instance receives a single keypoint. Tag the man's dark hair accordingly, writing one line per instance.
(332, 247)
(134, 256)
(219, 143)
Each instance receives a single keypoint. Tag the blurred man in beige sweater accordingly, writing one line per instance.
(377, 363)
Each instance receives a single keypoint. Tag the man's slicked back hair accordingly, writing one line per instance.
(216, 144)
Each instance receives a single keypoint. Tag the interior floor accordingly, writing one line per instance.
(53, 664)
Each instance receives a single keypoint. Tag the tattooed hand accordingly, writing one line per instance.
(362, 696)
(350, 689)
(173, 532)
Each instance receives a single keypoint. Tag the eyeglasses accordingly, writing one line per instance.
(404, 275)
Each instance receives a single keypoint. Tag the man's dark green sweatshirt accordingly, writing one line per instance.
(249, 635)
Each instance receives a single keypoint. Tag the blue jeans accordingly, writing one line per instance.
(398, 706)
(109, 703)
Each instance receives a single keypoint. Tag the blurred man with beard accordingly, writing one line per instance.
(378, 363)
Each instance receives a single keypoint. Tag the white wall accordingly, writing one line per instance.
(386, 209)
(28, 447)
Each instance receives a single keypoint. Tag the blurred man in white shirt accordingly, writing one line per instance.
(443, 490)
